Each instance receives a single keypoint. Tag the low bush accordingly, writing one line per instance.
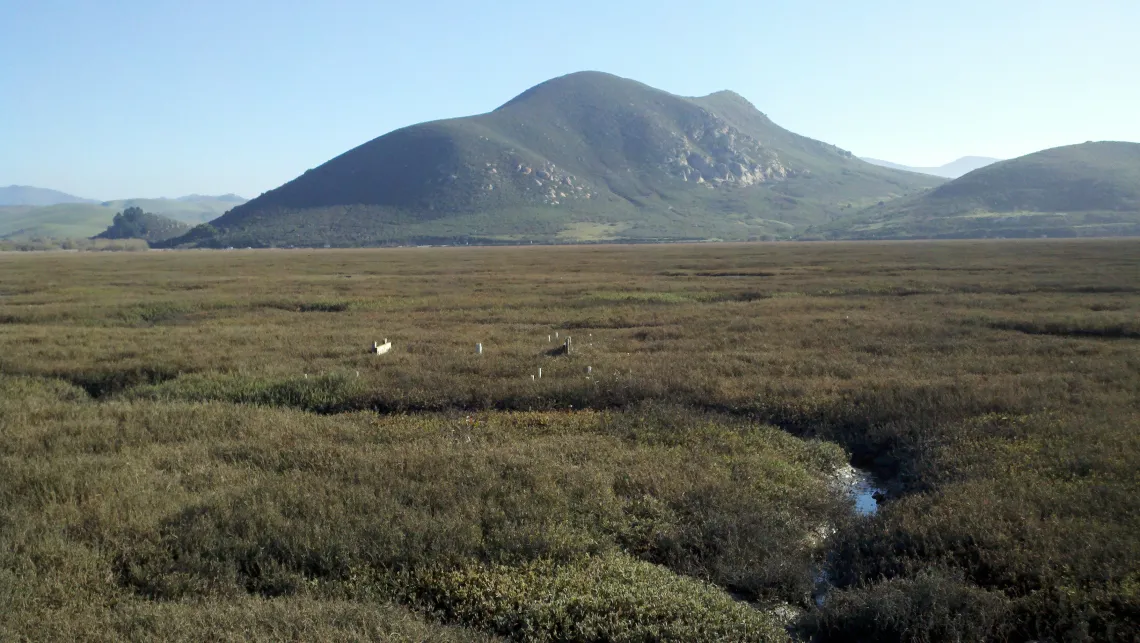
(604, 598)
(932, 607)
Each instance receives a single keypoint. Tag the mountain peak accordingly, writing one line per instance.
(591, 86)
(728, 94)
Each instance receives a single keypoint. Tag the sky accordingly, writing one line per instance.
(146, 98)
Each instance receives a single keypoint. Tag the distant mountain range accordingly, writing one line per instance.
(584, 157)
(1091, 189)
(27, 195)
(88, 218)
(951, 170)
(200, 198)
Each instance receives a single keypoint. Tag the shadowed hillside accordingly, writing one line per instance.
(1091, 189)
(587, 156)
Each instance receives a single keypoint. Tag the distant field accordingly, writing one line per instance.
(592, 231)
(982, 223)
(198, 445)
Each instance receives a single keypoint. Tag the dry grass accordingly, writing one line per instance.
(186, 433)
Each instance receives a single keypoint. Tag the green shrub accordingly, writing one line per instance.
(327, 393)
(605, 598)
(929, 608)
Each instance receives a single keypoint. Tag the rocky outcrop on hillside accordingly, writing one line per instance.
(711, 153)
(552, 186)
(717, 154)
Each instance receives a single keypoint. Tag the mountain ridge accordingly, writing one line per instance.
(228, 197)
(27, 195)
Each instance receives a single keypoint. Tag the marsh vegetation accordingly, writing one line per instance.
(200, 444)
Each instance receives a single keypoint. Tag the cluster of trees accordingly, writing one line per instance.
(130, 223)
(133, 223)
(131, 229)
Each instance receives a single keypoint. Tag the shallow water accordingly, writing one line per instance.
(862, 488)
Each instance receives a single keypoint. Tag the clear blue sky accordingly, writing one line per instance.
(124, 98)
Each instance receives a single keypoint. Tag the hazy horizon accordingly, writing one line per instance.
(148, 100)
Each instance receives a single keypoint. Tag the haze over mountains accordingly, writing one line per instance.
(588, 156)
(951, 170)
(1091, 189)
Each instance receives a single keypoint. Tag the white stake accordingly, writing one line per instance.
(479, 349)
(540, 373)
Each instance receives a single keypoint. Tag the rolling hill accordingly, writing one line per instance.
(81, 220)
(951, 170)
(1091, 189)
(26, 195)
(589, 156)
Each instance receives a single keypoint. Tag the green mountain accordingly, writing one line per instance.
(82, 220)
(588, 156)
(1092, 189)
(951, 170)
(27, 195)
(134, 223)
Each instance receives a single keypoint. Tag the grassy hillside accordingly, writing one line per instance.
(81, 220)
(1091, 189)
(589, 156)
